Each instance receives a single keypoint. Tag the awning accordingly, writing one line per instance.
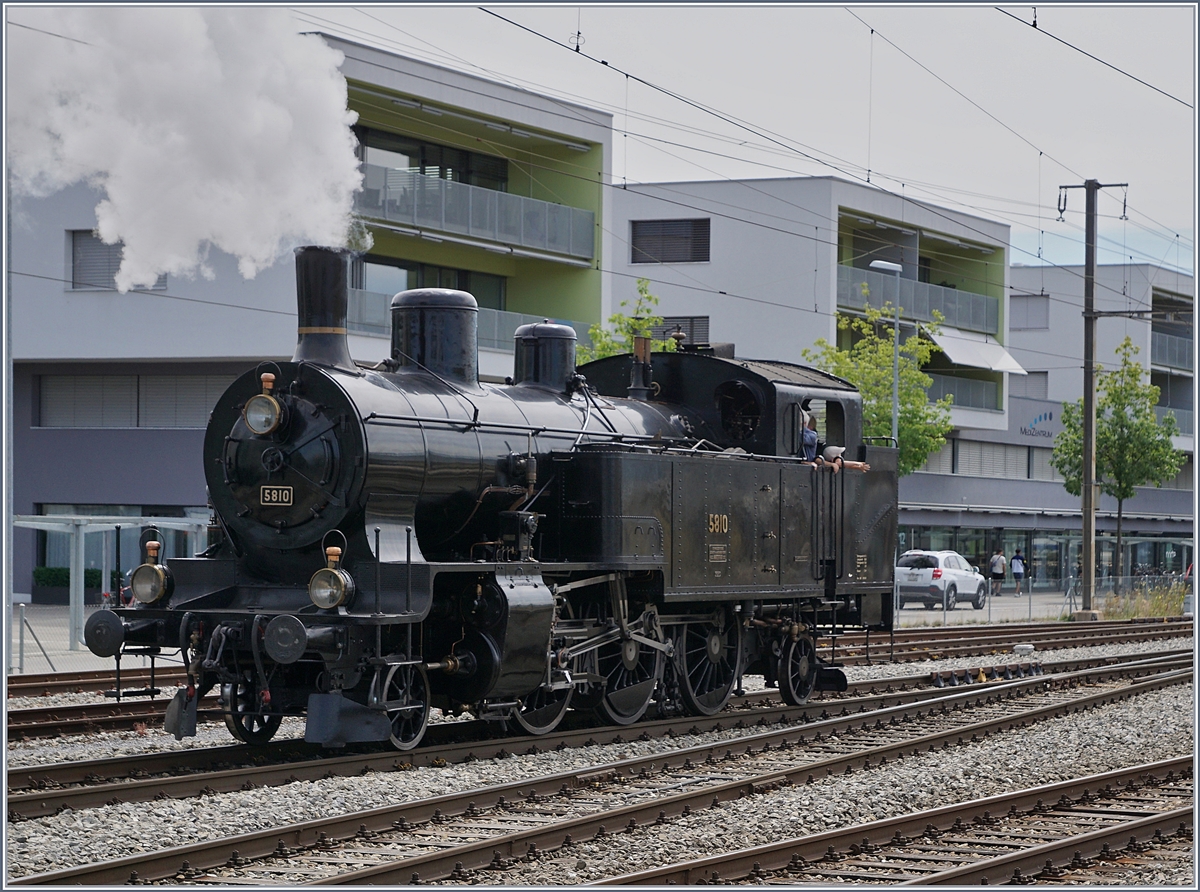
(977, 350)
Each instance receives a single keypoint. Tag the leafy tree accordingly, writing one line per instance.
(923, 425)
(1133, 448)
(624, 328)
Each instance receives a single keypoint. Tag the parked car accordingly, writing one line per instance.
(940, 577)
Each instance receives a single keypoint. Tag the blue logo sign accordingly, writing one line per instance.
(1034, 431)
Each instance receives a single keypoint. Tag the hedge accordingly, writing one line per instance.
(60, 577)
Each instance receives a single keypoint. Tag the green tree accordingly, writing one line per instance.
(625, 327)
(867, 365)
(1133, 448)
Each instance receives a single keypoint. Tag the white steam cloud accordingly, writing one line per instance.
(203, 127)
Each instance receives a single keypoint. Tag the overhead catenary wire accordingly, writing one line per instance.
(1122, 71)
(778, 147)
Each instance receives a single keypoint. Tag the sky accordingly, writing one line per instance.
(965, 107)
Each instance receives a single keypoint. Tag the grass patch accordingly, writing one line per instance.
(1143, 603)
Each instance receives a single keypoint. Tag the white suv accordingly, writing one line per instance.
(939, 577)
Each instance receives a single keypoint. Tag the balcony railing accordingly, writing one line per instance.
(968, 393)
(402, 196)
(1183, 417)
(1171, 350)
(918, 300)
(369, 313)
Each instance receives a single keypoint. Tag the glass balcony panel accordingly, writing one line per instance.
(558, 228)
(1171, 351)
(483, 213)
(919, 300)
(508, 223)
(533, 223)
(405, 196)
(583, 232)
(968, 393)
(458, 207)
(1183, 418)
(430, 202)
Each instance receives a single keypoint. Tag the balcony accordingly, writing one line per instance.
(412, 199)
(1171, 351)
(968, 393)
(1183, 417)
(369, 313)
(918, 300)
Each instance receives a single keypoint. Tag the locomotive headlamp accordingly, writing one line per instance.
(263, 412)
(151, 581)
(331, 586)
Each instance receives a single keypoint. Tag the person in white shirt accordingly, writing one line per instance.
(996, 567)
(1017, 565)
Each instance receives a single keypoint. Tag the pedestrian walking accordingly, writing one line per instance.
(996, 567)
(1017, 565)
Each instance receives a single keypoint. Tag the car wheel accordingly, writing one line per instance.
(980, 597)
(951, 598)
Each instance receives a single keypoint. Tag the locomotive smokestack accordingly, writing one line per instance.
(321, 299)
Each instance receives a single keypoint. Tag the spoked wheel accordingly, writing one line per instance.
(797, 671)
(406, 701)
(540, 712)
(708, 662)
(632, 670)
(242, 715)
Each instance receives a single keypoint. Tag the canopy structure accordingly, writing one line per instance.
(978, 350)
(79, 526)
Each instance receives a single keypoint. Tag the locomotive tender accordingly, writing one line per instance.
(390, 539)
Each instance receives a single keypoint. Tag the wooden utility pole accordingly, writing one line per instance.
(1087, 576)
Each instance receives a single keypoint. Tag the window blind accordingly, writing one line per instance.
(94, 264)
(670, 241)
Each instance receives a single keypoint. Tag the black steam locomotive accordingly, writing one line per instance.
(392, 539)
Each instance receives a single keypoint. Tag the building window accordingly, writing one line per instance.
(694, 328)
(94, 264)
(128, 401)
(1039, 464)
(670, 241)
(389, 150)
(977, 459)
(940, 462)
(1029, 311)
(1031, 386)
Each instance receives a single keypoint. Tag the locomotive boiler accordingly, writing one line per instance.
(395, 538)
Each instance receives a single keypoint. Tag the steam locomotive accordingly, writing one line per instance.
(393, 539)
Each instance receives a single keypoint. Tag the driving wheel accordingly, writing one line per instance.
(243, 717)
(406, 701)
(797, 671)
(708, 659)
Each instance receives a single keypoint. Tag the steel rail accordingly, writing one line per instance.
(1029, 861)
(168, 863)
(779, 855)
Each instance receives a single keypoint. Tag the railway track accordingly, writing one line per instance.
(165, 678)
(40, 790)
(56, 720)
(1041, 833)
(440, 837)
